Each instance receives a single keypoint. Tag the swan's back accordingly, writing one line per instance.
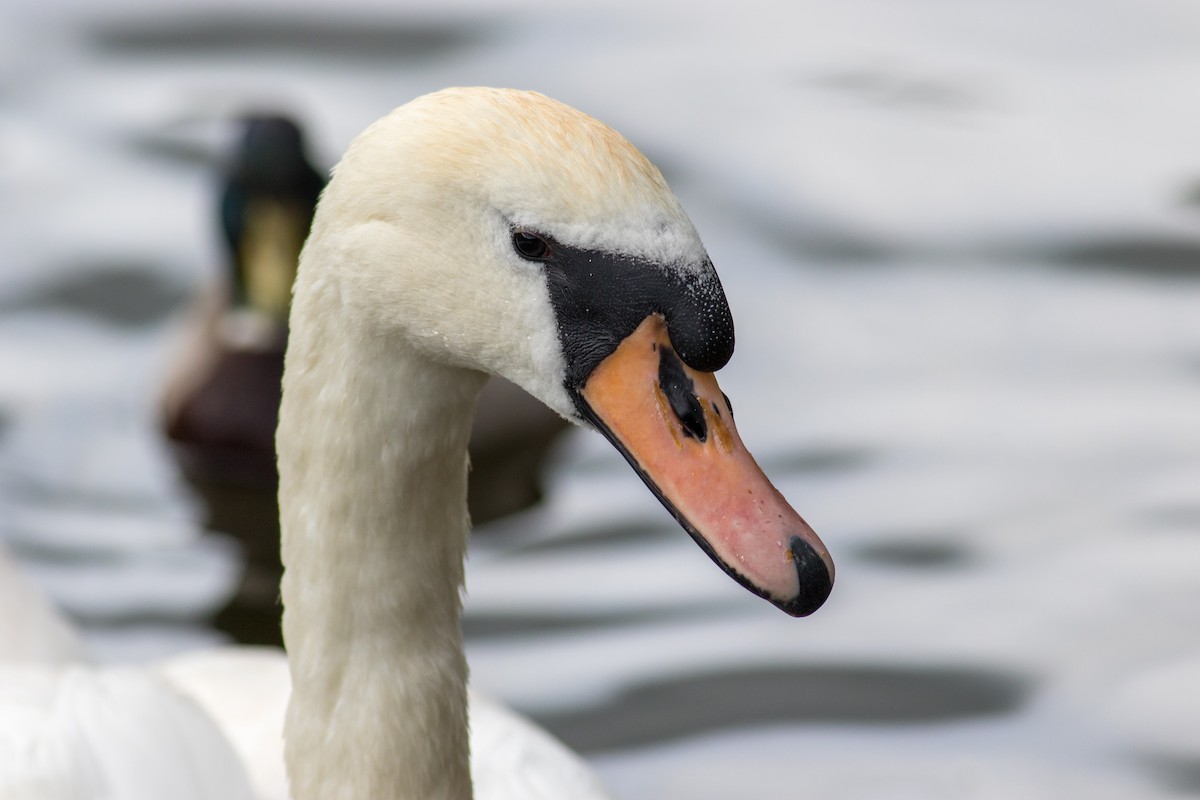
(70, 730)
(75, 732)
(200, 726)
(245, 690)
(513, 759)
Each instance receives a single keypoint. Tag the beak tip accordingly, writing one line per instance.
(815, 578)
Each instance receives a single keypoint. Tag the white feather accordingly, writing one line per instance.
(200, 726)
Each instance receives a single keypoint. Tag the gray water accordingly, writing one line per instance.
(961, 246)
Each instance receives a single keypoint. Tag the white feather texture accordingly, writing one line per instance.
(70, 730)
(81, 732)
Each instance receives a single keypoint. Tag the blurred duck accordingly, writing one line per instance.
(267, 203)
(221, 403)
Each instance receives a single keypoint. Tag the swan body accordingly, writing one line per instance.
(72, 732)
(198, 726)
(245, 691)
(475, 232)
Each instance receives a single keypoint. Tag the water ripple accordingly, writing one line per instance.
(667, 708)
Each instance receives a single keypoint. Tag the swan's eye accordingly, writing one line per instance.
(530, 246)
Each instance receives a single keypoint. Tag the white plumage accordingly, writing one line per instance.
(200, 726)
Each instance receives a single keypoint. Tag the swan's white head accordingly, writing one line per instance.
(505, 232)
(425, 203)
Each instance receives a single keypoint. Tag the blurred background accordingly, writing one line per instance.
(961, 242)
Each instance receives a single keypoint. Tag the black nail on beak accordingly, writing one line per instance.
(815, 581)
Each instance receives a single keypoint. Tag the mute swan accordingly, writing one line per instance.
(477, 231)
(473, 231)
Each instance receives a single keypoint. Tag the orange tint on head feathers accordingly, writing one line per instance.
(538, 162)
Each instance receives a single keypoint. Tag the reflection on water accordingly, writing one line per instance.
(1169, 258)
(1180, 774)
(827, 461)
(688, 705)
(218, 36)
(917, 552)
(121, 294)
(968, 352)
(482, 625)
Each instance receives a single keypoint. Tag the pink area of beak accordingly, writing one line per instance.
(676, 428)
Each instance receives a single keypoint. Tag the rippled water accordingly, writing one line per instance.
(965, 273)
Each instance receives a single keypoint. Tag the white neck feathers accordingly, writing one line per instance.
(372, 458)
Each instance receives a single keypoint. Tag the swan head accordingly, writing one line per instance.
(502, 231)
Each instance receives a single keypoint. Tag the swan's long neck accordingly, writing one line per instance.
(372, 461)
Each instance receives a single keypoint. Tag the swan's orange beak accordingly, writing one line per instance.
(676, 428)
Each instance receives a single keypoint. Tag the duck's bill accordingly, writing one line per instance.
(676, 428)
